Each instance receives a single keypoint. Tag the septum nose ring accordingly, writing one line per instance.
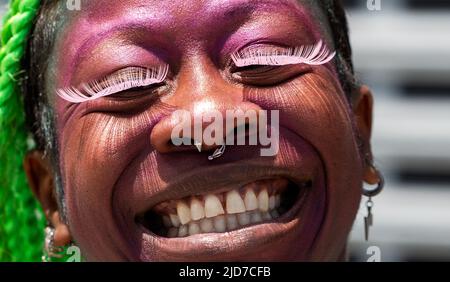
(217, 153)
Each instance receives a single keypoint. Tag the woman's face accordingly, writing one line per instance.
(122, 179)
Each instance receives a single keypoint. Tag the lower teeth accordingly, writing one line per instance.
(219, 224)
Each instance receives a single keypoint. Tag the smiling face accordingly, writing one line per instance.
(131, 196)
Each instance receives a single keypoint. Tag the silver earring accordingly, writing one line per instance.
(50, 251)
(217, 153)
(368, 219)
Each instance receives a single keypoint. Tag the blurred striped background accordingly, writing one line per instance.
(403, 53)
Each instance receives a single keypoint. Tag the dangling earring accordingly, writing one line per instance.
(50, 251)
(368, 220)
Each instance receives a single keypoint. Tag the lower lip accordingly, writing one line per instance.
(287, 238)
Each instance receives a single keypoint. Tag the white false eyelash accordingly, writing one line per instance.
(317, 54)
(118, 82)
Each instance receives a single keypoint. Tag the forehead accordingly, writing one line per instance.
(185, 8)
(188, 15)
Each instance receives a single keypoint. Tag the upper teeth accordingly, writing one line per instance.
(213, 206)
(235, 204)
(207, 214)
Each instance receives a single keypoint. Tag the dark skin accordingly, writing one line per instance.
(196, 81)
(41, 175)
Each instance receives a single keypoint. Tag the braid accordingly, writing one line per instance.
(334, 10)
(21, 221)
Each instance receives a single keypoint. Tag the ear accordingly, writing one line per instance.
(362, 108)
(41, 180)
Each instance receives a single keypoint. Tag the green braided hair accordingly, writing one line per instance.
(21, 219)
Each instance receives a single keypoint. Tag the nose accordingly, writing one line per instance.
(209, 108)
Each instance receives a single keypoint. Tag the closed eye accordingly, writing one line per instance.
(316, 54)
(129, 79)
(264, 76)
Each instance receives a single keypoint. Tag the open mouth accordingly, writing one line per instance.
(254, 203)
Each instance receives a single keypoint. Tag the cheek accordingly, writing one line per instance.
(96, 149)
(315, 108)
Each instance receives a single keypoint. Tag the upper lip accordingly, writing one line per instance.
(219, 179)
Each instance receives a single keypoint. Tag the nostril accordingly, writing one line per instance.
(183, 144)
(179, 131)
(243, 134)
(162, 139)
(245, 129)
(180, 141)
(179, 144)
